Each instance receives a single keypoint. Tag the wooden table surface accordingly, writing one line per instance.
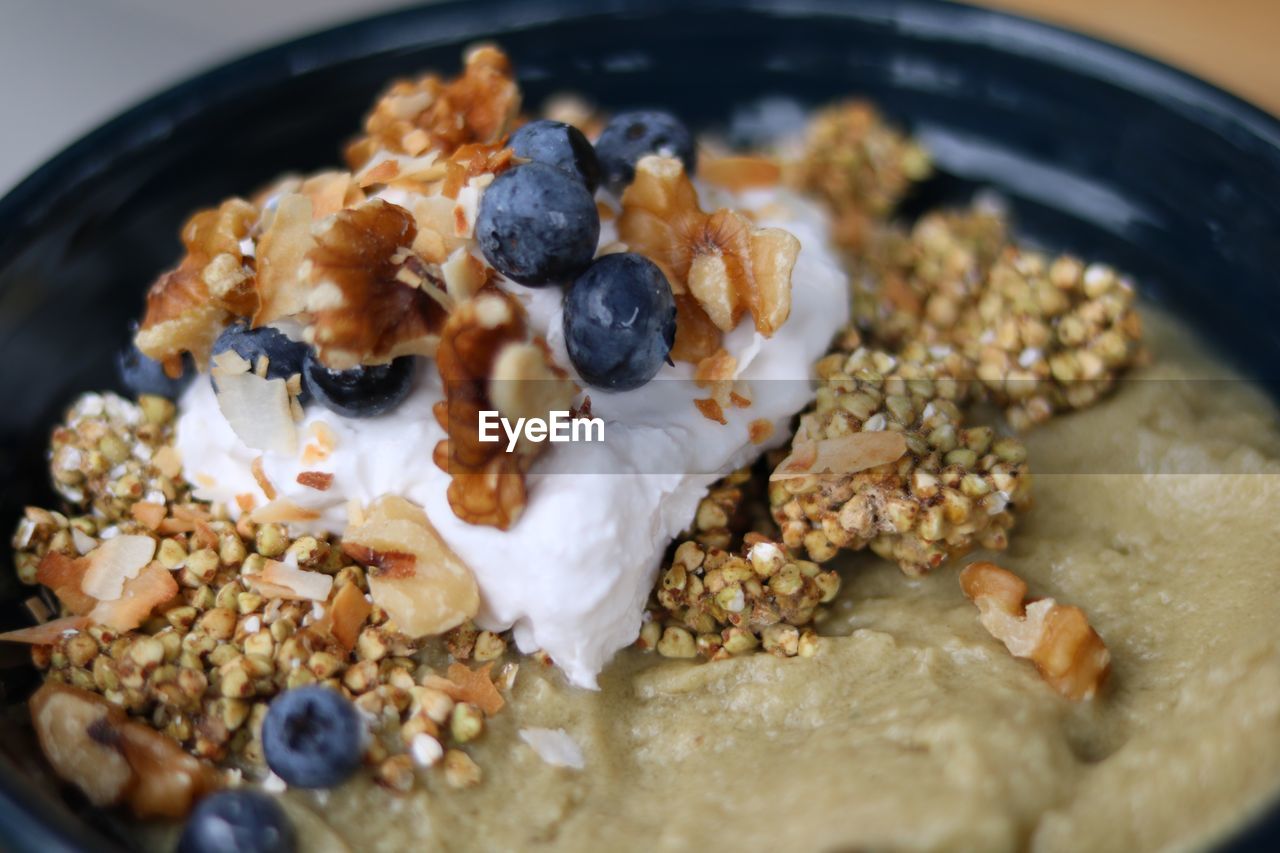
(1233, 43)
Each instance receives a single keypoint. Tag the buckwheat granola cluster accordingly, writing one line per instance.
(730, 589)
(950, 489)
(242, 611)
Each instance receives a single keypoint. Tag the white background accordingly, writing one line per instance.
(68, 65)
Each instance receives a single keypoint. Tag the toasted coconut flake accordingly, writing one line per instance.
(738, 173)
(260, 477)
(150, 514)
(476, 686)
(711, 410)
(64, 576)
(841, 456)
(258, 411)
(299, 584)
(281, 251)
(330, 192)
(555, 747)
(283, 510)
(1057, 638)
(321, 481)
(347, 615)
(113, 563)
(153, 586)
(464, 274)
(430, 595)
(760, 430)
(46, 634)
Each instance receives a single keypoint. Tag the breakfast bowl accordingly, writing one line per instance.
(1089, 149)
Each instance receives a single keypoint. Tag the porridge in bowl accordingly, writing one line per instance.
(896, 535)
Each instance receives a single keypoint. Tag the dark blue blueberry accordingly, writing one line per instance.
(558, 144)
(630, 136)
(143, 375)
(312, 737)
(360, 392)
(238, 821)
(537, 225)
(620, 322)
(284, 356)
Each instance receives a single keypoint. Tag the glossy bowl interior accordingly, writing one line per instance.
(1098, 150)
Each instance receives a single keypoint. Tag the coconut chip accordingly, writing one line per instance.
(46, 634)
(555, 747)
(280, 580)
(115, 562)
(153, 586)
(258, 411)
(840, 456)
(476, 686)
(64, 575)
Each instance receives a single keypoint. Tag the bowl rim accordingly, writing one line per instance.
(25, 821)
(149, 120)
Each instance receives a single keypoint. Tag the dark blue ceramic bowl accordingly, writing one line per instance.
(1099, 150)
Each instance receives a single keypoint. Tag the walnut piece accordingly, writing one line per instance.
(93, 744)
(1057, 638)
(487, 482)
(416, 116)
(727, 264)
(188, 306)
(413, 575)
(363, 311)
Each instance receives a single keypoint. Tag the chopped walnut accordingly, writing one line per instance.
(1057, 638)
(413, 575)
(487, 482)
(188, 306)
(729, 266)
(363, 311)
(94, 745)
(416, 116)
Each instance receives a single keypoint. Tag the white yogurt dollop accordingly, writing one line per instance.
(572, 575)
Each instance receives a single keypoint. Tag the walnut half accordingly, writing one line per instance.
(721, 259)
(113, 760)
(1057, 638)
(486, 339)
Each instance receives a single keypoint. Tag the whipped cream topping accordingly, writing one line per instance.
(572, 576)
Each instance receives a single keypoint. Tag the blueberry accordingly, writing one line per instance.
(558, 144)
(360, 392)
(538, 224)
(311, 737)
(630, 136)
(620, 322)
(284, 356)
(144, 375)
(238, 821)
